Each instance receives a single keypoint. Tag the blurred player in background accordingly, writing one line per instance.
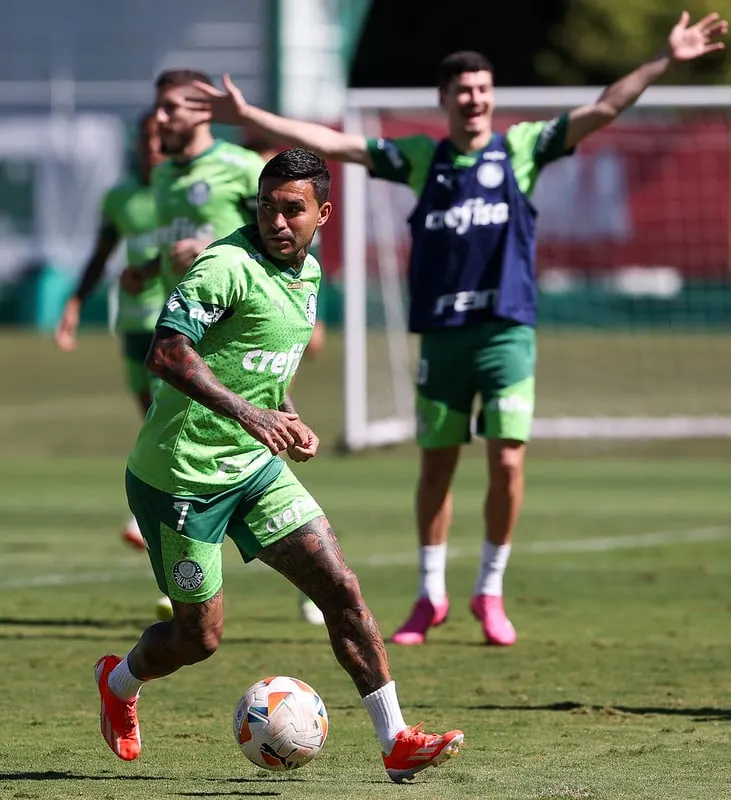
(473, 291)
(267, 150)
(128, 216)
(206, 465)
(205, 190)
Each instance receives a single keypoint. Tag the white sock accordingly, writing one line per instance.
(385, 713)
(123, 683)
(432, 568)
(133, 526)
(492, 568)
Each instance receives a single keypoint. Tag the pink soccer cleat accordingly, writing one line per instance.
(424, 615)
(498, 629)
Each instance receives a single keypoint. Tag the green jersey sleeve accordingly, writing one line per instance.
(210, 290)
(533, 145)
(403, 160)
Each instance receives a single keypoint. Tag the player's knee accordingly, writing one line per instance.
(198, 644)
(437, 468)
(506, 463)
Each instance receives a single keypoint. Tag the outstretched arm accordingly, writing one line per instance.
(685, 43)
(174, 358)
(230, 107)
(106, 241)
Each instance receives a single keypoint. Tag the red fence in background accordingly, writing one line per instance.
(654, 191)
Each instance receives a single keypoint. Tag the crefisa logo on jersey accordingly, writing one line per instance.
(188, 575)
(198, 193)
(311, 309)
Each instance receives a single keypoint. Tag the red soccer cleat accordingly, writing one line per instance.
(415, 750)
(118, 718)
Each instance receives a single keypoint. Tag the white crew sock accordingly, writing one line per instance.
(492, 568)
(133, 525)
(432, 568)
(123, 683)
(385, 713)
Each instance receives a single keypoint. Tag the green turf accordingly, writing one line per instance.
(618, 587)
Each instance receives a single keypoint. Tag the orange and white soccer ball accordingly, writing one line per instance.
(280, 723)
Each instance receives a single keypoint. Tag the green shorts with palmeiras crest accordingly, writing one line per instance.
(185, 533)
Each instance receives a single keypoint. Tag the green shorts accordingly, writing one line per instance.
(134, 348)
(495, 360)
(184, 534)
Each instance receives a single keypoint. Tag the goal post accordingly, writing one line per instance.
(633, 253)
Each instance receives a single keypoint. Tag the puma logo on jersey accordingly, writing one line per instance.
(284, 365)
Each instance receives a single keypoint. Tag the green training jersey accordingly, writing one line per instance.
(129, 209)
(250, 322)
(207, 197)
(530, 145)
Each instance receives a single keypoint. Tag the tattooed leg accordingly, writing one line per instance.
(191, 636)
(312, 560)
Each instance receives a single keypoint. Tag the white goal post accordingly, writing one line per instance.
(645, 356)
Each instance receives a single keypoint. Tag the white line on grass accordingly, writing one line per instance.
(590, 545)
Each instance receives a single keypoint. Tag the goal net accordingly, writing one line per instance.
(633, 253)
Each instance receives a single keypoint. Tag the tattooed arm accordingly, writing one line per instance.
(173, 358)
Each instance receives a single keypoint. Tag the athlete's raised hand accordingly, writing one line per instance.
(228, 107)
(687, 42)
(278, 430)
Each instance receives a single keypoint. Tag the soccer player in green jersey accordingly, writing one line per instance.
(128, 216)
(206, 465)
(205, 189)
(473, 288)
(264, 147)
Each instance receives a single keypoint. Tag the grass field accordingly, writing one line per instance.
(617, 688)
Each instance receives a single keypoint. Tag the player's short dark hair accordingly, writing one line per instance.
(299, 164)
(462, 61)
(180, 77)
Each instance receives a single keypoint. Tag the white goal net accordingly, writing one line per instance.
(634, 253)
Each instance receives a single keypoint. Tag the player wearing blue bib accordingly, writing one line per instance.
(472, 278)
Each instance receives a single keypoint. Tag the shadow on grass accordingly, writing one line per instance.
(52, 775)
(59, 625)
(702, 714)
(229, 794)
(49, 622)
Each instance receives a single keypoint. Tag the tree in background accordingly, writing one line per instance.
(597, 41)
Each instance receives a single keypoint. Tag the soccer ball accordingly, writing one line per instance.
(280, 723)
